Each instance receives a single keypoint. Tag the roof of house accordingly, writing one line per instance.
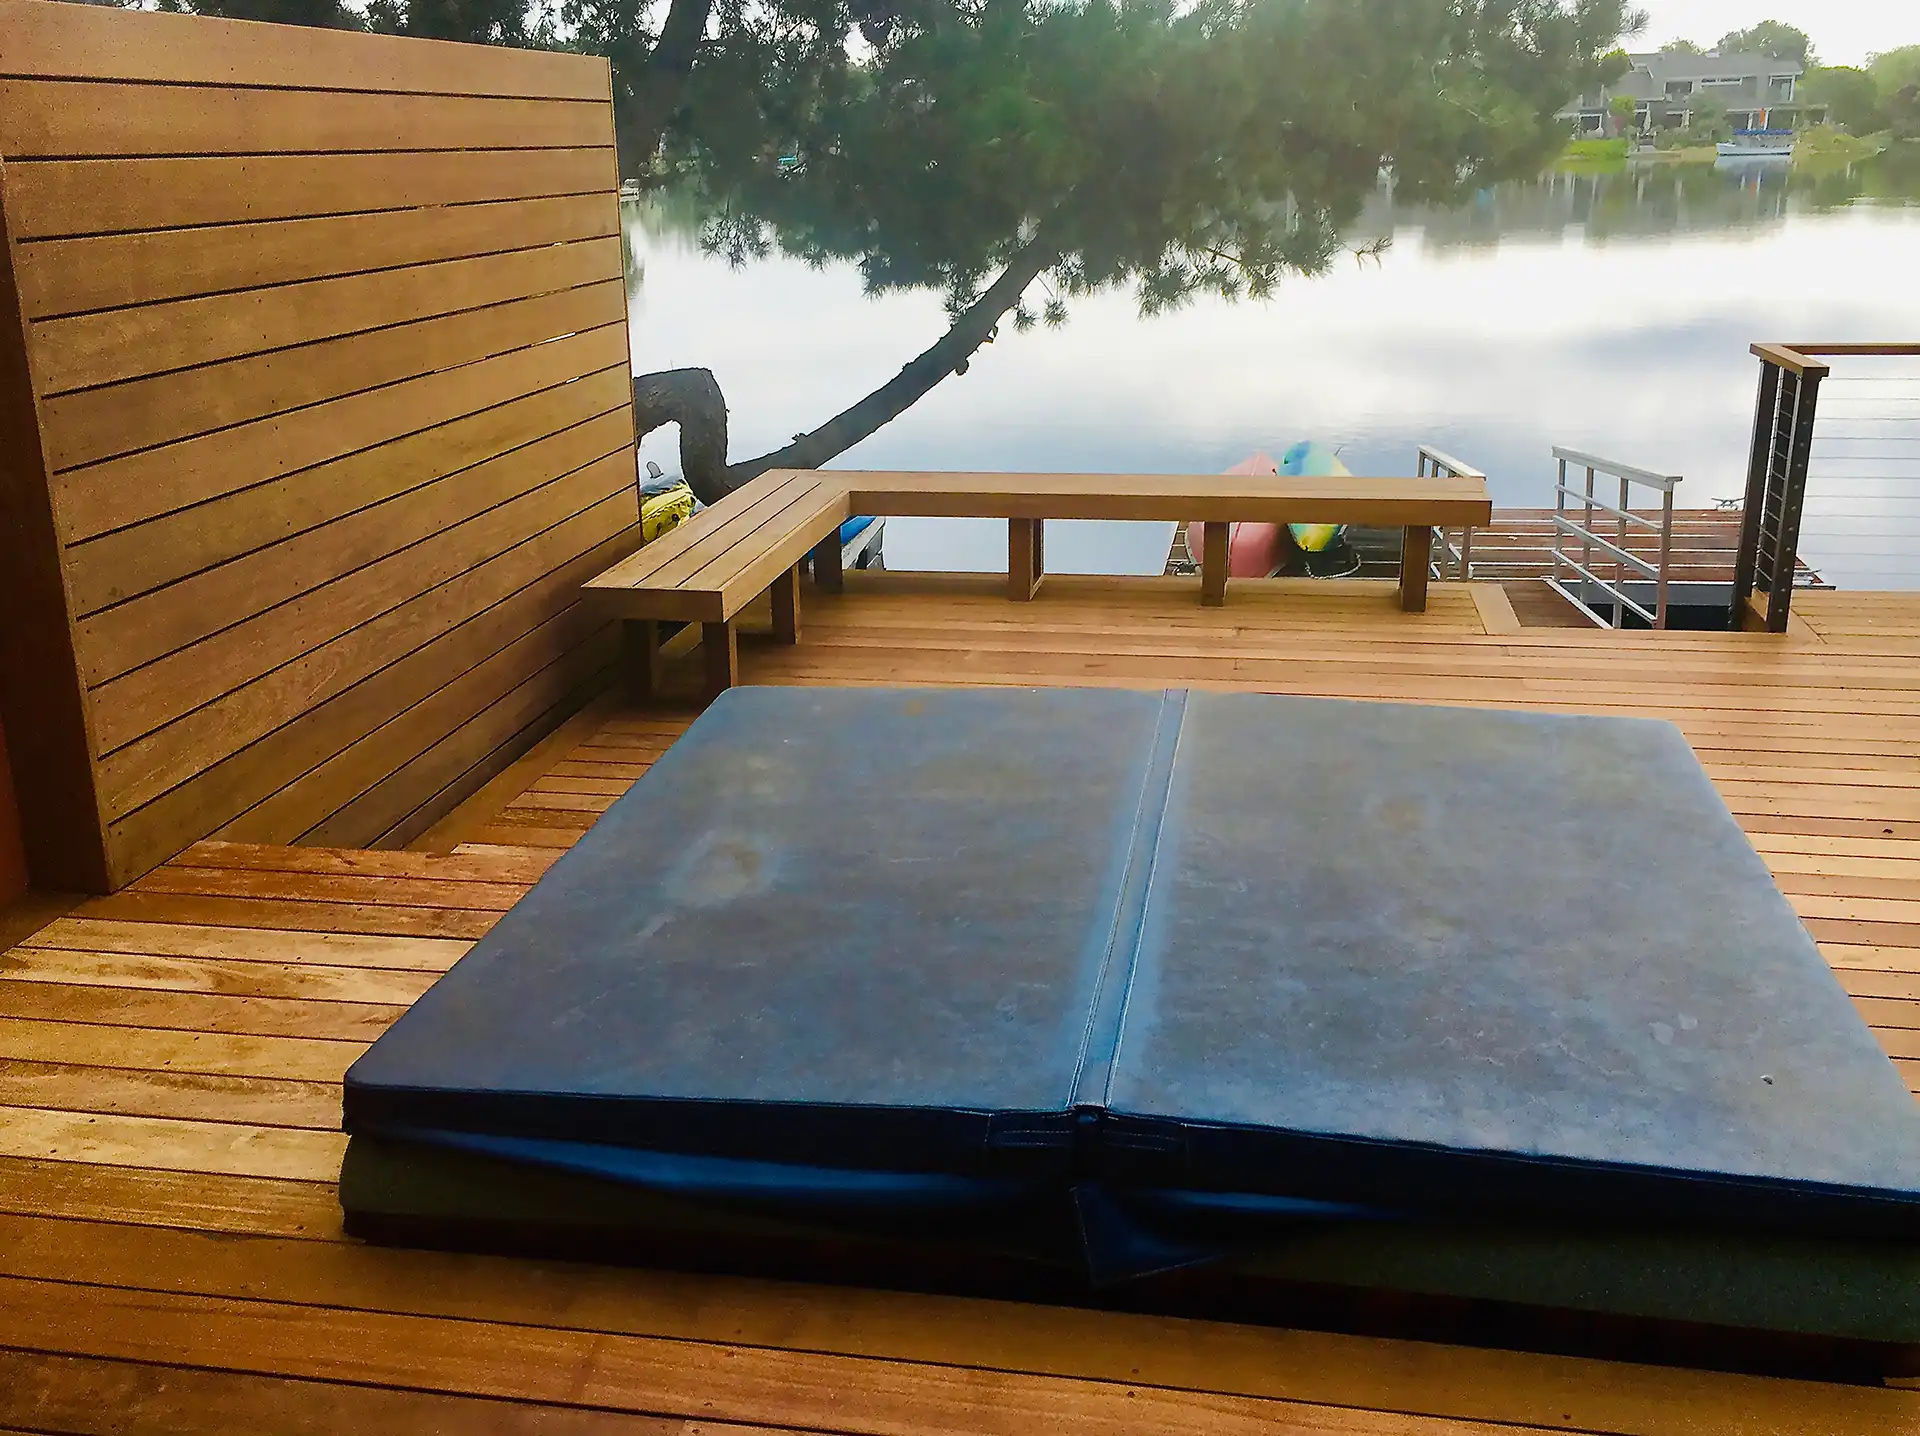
(1651, 74)
(1664, 66)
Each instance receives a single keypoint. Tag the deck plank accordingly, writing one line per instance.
(763, 1352)
(170, 1061)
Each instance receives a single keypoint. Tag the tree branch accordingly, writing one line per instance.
(692, 399)
(947, 355)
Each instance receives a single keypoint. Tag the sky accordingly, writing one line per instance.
(1844, 32)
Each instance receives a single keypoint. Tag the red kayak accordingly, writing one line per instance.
(1253, 550)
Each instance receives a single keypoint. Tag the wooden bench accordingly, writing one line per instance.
(754, 540)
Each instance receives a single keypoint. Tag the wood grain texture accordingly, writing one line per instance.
(323, 339)
(87, 350)
(344, 743)
(73, 276)
(96, 424)
(710, 568)
(62, 119)
(176, 49)
(362, 440)
(152, 759)
(166, 620)
(114, 196)
(168, 1059)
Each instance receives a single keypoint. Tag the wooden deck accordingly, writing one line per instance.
(170, 1246)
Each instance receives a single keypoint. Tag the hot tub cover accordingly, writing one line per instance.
(1204, 953)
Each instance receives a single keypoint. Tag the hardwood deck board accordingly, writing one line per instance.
(306, 1059)
(171, 1144)
(151, 1196)
(88, 1397)
(252, 1101)
(313, 982)
(646, 1376)
(244, 942)
(857, 1361)
(170, 1060)
(223, 1013)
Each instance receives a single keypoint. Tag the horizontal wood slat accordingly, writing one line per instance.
(72, 276)
(479, 748)
(114, 196)
(176, 50)
(175, 753)
(86, 1397)
(59, 119)
(162, 621)
(95, 424)
(344, 743)
(117, 344)
(125, 492)
(330, 369)
(375, 761)
(188, 679)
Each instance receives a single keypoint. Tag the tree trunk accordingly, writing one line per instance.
(663, 80)
(948, 355)
(692, 399)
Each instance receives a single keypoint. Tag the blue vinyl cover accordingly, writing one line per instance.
(863, 928)
(1456, 956)
(1410, 958)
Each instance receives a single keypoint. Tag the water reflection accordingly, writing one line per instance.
(1609, 311)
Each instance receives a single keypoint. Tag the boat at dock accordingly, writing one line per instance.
(1757, 145)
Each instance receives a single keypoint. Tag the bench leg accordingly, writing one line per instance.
(1026, 557)
(786, 606)
(1416, 550)
(827, 576)
(722, 649)
(640, 644)
(1213, 563)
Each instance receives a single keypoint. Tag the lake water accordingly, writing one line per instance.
(1609, 312)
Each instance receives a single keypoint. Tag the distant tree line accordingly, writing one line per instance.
(1885, 95)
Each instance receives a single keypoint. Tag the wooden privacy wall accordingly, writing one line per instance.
(324, 340)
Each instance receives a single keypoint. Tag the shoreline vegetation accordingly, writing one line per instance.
(1817, 147)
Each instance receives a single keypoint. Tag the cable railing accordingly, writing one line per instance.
(1585, 581)
(1449, 560)
(1833, 474)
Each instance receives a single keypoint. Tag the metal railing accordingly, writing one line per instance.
(1446, 555)
(1592, 586)
(1864, 456)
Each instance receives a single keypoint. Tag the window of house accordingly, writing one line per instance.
(1679, 89)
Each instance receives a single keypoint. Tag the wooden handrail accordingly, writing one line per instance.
(1785, 357)
(1898, 351)
(1805, 358)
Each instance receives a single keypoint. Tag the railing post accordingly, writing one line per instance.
(1586, 543)
(1666, 555)
(1620, 562)
(1758, 456)
(1793, 497)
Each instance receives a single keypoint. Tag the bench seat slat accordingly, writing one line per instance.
(709, 568)
(682, 574)
(1204, 498)
(643, 563)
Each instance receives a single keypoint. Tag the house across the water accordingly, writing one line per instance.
(1756, 91)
